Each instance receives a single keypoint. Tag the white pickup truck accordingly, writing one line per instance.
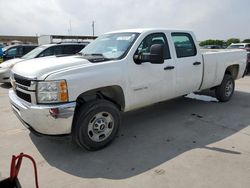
(84, 95)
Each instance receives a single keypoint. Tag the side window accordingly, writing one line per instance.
(26, 49)
(184, 45)
(68, 49)
(155, 38)
(57, 50)
(47, 52)
(78, 48)
(20, 51)
(12, 52)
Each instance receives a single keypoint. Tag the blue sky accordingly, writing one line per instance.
(217, 19)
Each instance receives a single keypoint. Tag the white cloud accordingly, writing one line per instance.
(209, 19)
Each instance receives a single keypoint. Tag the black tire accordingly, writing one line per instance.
(80, 131)
(222, 92)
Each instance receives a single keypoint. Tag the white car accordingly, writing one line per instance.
(84, 95)
(245, 46)
(239, 46)
(40, 51)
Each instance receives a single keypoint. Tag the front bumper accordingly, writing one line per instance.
(41, 118)
(4, 75)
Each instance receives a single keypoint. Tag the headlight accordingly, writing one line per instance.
(52, 92)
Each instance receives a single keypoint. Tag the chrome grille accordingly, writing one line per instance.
(24, 88)
(23, 96)
(22, 80)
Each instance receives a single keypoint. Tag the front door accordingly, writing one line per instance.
(150, 83)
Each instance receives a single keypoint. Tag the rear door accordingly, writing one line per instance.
(189, 67)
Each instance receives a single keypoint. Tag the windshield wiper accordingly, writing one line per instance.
(96, 57)
(94, 54)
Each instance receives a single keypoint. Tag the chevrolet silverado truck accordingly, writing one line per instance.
(84, 95)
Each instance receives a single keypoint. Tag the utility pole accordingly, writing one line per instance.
(70, 28)
(93, 27)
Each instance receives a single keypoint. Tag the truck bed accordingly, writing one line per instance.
(215, 61)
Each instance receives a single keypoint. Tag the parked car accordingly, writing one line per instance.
(245, 46)
(16, 51)
(40, 51)
(248, 63)
(84, 95)
(1, 55)
(212, 47)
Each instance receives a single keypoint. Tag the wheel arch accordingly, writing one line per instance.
(112, 93)
(233, 70)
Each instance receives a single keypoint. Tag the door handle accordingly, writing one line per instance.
(196, 63)
(168, 67)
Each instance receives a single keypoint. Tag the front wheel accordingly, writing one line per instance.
(97, 124)
(225, 91)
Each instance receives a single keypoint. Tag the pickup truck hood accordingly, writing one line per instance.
(41, 67)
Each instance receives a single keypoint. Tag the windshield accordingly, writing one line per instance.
(109, 46)
(33, 53)
(235, 46)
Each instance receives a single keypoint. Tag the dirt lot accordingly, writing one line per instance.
(179, 143)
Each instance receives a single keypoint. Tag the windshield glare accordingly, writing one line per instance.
(110, 46)
(33, 53)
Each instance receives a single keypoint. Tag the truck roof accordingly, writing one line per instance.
(142, 30)
(65, 43)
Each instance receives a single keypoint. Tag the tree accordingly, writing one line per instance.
(246, 41)
(232, 40)
(212, 42)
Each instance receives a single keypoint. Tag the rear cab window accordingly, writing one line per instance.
(184, 45)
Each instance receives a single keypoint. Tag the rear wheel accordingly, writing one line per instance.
(97, 124)
(225, 91)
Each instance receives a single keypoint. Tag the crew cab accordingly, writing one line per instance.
(41, 51)
(84, 95)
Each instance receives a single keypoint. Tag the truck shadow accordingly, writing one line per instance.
(152, 136)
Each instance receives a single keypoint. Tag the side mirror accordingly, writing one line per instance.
(156, 55)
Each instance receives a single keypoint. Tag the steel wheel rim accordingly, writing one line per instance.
(100, 126)
(229, 88)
